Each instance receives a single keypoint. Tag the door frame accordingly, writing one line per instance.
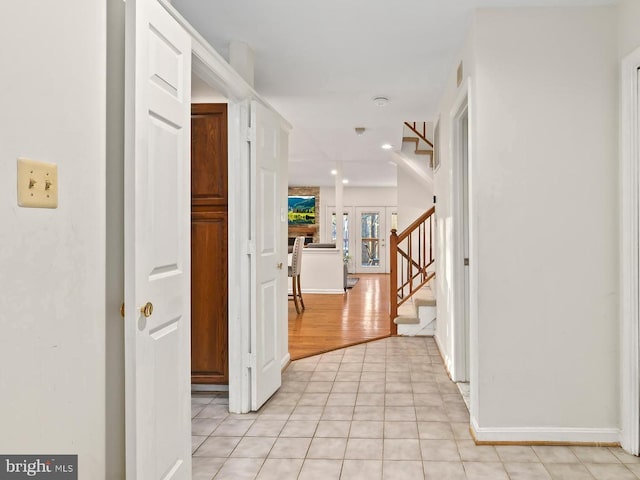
(382, 241)
(629, 248)
(389, 212)
(212, 68)
(464, 335)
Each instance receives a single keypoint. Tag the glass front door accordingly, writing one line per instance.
(371, 244)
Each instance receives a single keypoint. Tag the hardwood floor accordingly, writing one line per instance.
(336, 321)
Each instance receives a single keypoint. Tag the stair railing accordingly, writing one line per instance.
(411, 256)
(420, 132)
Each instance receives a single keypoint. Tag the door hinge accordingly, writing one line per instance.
(251, 134)
(250, 361)
(466, 262)
(251, 247)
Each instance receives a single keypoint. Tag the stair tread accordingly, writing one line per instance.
(406, 309)
(424, 297)
(406, 320)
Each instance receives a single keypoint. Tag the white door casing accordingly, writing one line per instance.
(460, 202)
(269, 260)
(157, 244)
(464, 159)
(629, 248)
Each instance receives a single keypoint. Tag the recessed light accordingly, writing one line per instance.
(380, 101)
(345, 181)
(387, 146)
(334, 172)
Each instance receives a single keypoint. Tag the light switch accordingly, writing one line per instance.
(37, 184)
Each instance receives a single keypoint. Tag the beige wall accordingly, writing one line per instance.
(544, 223)
(52, 262)
(415, 197)
(546, 192)
(443, 189)
(628, 30)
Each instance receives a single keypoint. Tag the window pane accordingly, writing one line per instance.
(345, 231)
(370, 230)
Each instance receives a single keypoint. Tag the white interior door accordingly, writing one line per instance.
(371, 234)
(269, 307)
(157, 244)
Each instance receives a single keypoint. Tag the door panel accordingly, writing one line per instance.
(209, 177)
(157, 244)
(209, 245)
(209, 298)
(270, 295)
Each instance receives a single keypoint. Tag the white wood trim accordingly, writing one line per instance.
(458, 369)
(332, 291)
(465, 99)
(546, 434)
(446, 359)
(239, 274)
(474, 265)
(209, 388)
(285, 361)
(630, 243)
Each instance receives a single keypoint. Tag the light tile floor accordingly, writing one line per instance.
(381, 410)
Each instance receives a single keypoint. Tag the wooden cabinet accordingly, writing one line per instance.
(209, 259)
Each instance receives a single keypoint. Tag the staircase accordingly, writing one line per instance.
(413, 305)
(417, 316)
(416, 133)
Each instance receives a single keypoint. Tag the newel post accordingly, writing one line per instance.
(393, 281)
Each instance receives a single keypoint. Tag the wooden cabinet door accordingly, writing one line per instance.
(209, 260)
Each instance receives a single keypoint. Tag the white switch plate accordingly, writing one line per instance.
(37, 184)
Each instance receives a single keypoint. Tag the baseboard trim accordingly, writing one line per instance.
(286, 360)
(321, 291)
(203, 387)
(445, 360)
(598, 437)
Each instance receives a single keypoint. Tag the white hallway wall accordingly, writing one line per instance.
(628, 31)
(52, 262)
(414, 198)
(443, 189)
(545, 195)
(355, 197)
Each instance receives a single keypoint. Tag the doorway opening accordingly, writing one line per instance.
(209, 238)
(463, 267)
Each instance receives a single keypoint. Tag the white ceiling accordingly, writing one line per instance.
(320, 63)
